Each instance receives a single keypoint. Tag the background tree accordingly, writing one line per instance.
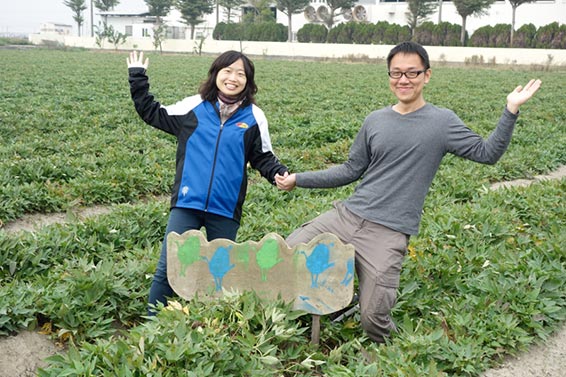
(77, 6)
(291, 7)
(467, 8)
(192, 12)
(419, 10)
(336, 8)
(105, 6)
(229, 5)
(261, 12)
(159, 9)
(514, 5)
(115, 37)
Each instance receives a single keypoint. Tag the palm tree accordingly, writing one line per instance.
(77, 6)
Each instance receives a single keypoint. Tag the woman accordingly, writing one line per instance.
(219, 130)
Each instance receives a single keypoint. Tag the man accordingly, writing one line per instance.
(396, 154)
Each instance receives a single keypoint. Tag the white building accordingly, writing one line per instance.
(539, 13)
(140, 24)
(50, 28)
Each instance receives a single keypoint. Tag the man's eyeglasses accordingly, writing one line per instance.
(408, 74)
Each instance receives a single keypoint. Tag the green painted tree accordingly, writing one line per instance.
(192, 12)
(188, 253)
(467, 8)
(419, 10)
(159, 9)
(289, 8)
(514, 5)
(77, 6)
(268, 257)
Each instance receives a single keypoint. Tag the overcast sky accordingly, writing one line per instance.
(26, 16)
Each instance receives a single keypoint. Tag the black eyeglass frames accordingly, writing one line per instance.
(408, 74)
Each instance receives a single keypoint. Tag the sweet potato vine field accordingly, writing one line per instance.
(485, 277)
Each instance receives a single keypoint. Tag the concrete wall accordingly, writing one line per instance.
(322, 50)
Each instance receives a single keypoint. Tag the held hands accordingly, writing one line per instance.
(521, 95)
(135, 61)
(286, 181)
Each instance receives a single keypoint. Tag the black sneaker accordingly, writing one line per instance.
(353, 307)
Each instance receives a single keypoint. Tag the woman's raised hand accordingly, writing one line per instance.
(136, 61)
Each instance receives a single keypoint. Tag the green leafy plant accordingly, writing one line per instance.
(484, 278)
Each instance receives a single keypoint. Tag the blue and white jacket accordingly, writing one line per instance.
(211, 156)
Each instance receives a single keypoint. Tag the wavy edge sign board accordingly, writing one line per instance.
(318, 277)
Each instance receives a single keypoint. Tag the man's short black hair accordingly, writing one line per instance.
(409, 48)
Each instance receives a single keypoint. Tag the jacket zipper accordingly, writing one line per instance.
(213, 167)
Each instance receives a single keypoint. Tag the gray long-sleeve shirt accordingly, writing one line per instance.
(397, 157)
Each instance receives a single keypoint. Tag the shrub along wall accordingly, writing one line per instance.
(257, 31)
(527, 36)
(443, 34)
(315, 33)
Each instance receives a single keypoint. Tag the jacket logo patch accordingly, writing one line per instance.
(242, 125)
(185, 190)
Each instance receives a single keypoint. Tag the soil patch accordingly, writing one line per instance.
(22, 354)
(542, 360)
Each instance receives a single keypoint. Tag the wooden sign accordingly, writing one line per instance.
(317, 277)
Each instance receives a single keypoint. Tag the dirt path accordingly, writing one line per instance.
(543, 360)
(21, 355)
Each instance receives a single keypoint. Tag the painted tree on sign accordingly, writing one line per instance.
(467, 8)
(77, 6)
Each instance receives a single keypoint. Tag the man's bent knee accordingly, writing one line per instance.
(377, 302)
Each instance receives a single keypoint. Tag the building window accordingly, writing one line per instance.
(145, 32)
(129, 30)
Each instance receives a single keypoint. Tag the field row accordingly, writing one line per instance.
(70, 136)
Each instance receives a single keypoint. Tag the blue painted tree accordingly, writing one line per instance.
(349, 272)
(219, 265)
(318, 262)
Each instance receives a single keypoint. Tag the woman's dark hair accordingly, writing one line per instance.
(208, 89)
(409, 48)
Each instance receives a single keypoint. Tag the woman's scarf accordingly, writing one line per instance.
(228, 106)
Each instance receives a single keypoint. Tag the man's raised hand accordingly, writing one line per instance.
(521, 95)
